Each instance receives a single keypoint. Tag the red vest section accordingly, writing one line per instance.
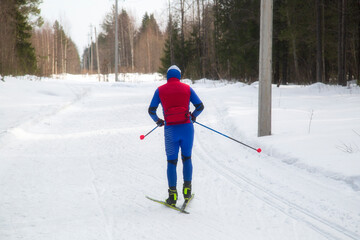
(175, 100)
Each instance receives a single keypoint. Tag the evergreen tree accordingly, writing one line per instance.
(17, 53)
(148, 45)
(171, 51)
(194, 54)
(280, 46)
(237, 24)
(25, 51)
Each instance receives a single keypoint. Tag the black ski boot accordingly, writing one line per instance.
(172, 196)
(187, 190)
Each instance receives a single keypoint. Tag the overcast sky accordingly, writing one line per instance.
(77, 15)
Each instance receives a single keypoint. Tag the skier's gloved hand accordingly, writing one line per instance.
(193, 118)
(160, 122)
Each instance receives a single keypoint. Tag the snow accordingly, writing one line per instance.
(72, 165)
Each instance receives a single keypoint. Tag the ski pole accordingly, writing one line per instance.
(143, 136)
(258, 150)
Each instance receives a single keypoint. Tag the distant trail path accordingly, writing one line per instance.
(46, 111)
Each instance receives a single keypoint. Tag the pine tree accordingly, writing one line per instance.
(148, 45)
(17, 52)
(237, 24)
(25, 51)
(171, 51)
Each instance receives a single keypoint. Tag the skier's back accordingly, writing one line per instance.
(175, 98)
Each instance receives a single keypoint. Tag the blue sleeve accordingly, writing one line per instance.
(154, 105)
(195, 100)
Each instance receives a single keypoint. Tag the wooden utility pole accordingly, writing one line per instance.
(116, 41)
(265, 68)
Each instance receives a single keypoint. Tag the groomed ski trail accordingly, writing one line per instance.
(83, 173)
(246, 177)
(326, 228)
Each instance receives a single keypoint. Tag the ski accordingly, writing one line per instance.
(187, 202)
(169, 206)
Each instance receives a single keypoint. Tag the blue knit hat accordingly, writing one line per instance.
(173, 72)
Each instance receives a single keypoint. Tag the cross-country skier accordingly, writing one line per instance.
(175, 98)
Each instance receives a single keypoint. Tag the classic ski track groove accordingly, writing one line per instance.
(324, 227)
(107, 225)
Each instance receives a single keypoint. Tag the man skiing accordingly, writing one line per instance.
(175, 98)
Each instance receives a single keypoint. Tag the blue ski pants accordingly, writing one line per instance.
(179, 137)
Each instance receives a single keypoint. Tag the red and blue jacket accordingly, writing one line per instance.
(175, 98)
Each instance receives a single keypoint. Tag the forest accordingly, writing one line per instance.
(30, 46)
(313, 41)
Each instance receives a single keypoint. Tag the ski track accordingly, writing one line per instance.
(328, 229)
(108, 226)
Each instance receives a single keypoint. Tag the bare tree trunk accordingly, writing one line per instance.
(43, 52)
(91, 53)
(205, 52)
(65, 55)
(296, 62)
(182, 34)
(121, 42)
(148, 51)
(358, 63)
(53, 57)
(216, 36)
(61, 52)
(285, 59)
(49, 52)
(97, 54)
(7, 36)
(55, 53)
(170, 37)
(318, 41)
(46, 53)
(293, 41)
(324, 80)
(131, 37)
(341, 43)
(199, 36)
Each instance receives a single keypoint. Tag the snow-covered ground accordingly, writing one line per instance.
(72, 166)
